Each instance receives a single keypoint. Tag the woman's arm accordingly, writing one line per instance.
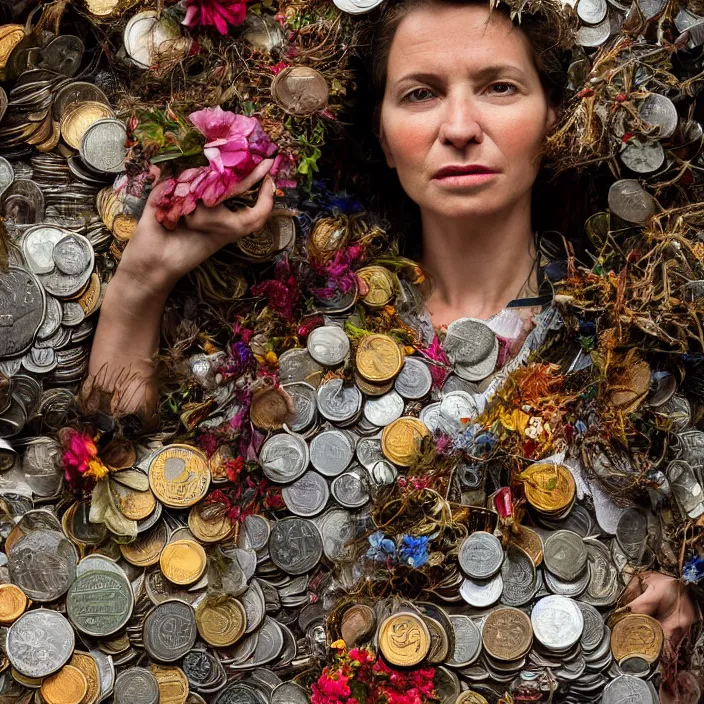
(127, 336)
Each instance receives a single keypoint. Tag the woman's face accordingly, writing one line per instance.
(464, 113)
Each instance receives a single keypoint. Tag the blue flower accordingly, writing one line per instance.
(693, 569)
(414, 551)
(381, 548)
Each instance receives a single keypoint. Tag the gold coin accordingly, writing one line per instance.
(179, 475)
(31, 682)
(529, 541)
(67, 686)
(87, 665)
(258, 246)
(329, 235)
(183, 562)
(146, 550)
(548, 487)
(79, 117)
(404, 639)
(637, 634)
(221, 622)
(13, 603)
(101, 8)
(218, 462)
(124, 226)
(378, 358)
(134, 505)
(507, 634)
(366, 387)
(10, 36)
(400, 440)
(90, 299)
(470, 697)
(173, 685)
(439, 642)
(208, 524)
(271, 408)
(381, 285)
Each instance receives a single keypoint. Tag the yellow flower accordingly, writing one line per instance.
(96, 469)
(271, 358)
(339, 644)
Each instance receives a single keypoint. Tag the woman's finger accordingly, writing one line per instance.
(261, 170)
(647, 603)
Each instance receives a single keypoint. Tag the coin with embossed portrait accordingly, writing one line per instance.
(295, 545)
(507, 634)
(169, 631)
(179, 475)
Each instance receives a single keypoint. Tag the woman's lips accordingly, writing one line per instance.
(464, 178)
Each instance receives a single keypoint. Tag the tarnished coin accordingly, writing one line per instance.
(328, 345)
(169, 631)
(632, 532)
(136, 685)
(414, 381)
(565, 555)
(557, 622)
(604, 582)
(548, 487)
(307, 496)
(22, 307)
(472, 347)
(73, 255)
(13, 602)
(103, 146)
(295, 545)
(519, 576)
(203, 670)
(254, 606)
(350, 488)
(659, 111)
(637, 634)
(256, 532)
(43, 564)
(339, 402)
(642, 156)
(468, 641)
(529, 541)
(401, 440)
(331, 452)
(593, 626)
(303, 398)
(99, 603)
(77, 119)
(39, 643)
(179, 475)
(183, 562)
(507, 634)
(297, 365)
(356, 624)
(300, 90)
(368, 451)
(221, 621)
(629, 200)
(378, 358)
(67, 686)
(284, 457)
(627, 689)
(76, 92)
(481, 555)
(337, 529)
(238, 693)
(404, 639)
(381, 285)
(439, 642)
(470, 697)
(484, 593)
(208, 524)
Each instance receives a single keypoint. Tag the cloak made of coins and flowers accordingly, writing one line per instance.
(293, 348)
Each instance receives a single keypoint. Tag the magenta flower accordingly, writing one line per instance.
(215, 13)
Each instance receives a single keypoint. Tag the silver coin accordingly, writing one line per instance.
(284, 457)
(99, 603)
(255, 535)
(328, 345)
(296, 365)
(384, 473)
(7, 173)
(651, 8)
(604, 583)
(627, 689)
(642, 156)
(595, 35)
(304, 406)
(40, 360)
(106, 672)
(519, 577)
(254, 606)
(632, 532)
(43, 564)
(289, 693)
(593, 626)
(339, 402)
(350, 489)
(52, 319)
(368, 451)
(270, 643)
(203, 670)
(385, 409)
(331, 452)
(481, 555)
(356, 7)
(482, 594)
(239, 693)
(307, 496)
(591, 11)
(430, 416)
(565, 555)
(136, 686)
(22, 308)
(39, 643)
(457, 383)
(468, 641)
(38, 245)
(414, 381)
(563, 588)
(630, 201)
(73, 255)
(557, 622)
(72, 313)
(103, 146)
(295, 545)
(337, 529)
(457, 409)
(41, 466)
(659, 111)
(472, 347)
(169, 631)
(634, 665)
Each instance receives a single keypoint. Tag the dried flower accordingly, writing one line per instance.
(80, 458)
(215, 13)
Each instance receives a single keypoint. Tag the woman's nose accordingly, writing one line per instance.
(460, 122)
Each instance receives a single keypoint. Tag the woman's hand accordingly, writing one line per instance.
(666, 599)
(156, 258)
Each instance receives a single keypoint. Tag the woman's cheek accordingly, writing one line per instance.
(409, 140)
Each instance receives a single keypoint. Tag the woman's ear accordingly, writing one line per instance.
(381, 136)
(551, 118)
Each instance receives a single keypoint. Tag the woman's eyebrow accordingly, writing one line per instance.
(485, 73)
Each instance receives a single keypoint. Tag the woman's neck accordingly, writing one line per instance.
(477, 267)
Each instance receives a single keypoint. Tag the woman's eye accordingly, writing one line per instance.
(502, 88)
(418, 95)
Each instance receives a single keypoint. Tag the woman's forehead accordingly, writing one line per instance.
(438, 37)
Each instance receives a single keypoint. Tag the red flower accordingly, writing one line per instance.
(215, 13)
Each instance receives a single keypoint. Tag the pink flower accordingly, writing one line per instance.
(215, 13)
(235, 142)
